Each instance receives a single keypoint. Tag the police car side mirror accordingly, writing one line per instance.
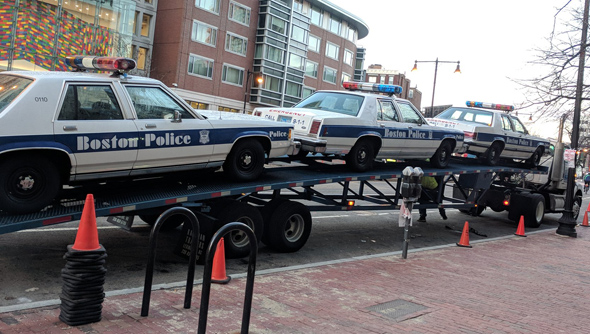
(177, 117)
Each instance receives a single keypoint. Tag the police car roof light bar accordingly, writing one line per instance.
(118, 65)
(503, 107)
(370, 87)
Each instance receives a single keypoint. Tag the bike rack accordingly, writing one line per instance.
(149, 274)
(209, 269)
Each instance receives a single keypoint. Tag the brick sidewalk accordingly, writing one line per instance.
(537, 284)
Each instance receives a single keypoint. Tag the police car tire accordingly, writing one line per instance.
(492, 155)
(535, 159)
(441, 157)
(361, 156)
(236, 164)
(46, 177)
(289, 228)
(228, 211)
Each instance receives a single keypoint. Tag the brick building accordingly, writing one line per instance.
(377, 74)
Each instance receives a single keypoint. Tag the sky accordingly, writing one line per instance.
(493, 40)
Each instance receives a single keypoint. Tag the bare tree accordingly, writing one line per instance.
(552, 95)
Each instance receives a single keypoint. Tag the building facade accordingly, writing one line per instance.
(213, 51)
(39, 34)
(377, 74)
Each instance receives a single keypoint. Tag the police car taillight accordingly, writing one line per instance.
(257, 113)
(115, 64)
(494, 106)
(315, 127)
(470, 135)
(369, 87)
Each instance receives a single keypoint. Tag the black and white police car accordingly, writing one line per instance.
(492, 133)
(60, 128)
(361, 126)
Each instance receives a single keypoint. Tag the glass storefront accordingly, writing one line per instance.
(38, 34)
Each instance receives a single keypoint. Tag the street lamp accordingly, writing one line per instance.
(457, 70)
(259, 80)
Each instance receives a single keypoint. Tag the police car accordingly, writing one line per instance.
(361, 126)
(60, 128)
(492, 133)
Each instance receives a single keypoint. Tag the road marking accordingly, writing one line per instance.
(61, 229)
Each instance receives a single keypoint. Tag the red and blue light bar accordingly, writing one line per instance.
(504, 107)
(118, 64)
(371, 87)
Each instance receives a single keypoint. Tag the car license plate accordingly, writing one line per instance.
(285, 119)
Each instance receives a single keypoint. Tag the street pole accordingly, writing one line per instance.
(433, 89)
(431, 113)
(246, 90)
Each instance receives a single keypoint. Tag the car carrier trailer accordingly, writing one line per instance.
(277, 206)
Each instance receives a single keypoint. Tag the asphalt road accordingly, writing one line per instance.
(31, 260)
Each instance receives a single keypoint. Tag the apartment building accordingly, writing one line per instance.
(375, 73)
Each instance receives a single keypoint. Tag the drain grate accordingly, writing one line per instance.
(397, 309)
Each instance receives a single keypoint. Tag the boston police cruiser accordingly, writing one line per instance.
(492, 133)
(61, 128)
(362, 126)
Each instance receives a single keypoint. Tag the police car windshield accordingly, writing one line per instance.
(467, 115)
(10, 87)
(342, 103)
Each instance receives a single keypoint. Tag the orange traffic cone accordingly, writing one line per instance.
(588, 209)
(464, 242)
(585, 221)
(520, 229)
(87, 236)
(218, 273)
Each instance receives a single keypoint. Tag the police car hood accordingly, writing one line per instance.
(301, 118)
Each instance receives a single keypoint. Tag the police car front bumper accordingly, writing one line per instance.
(295, 148)
(312, 145)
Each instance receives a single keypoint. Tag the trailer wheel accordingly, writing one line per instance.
(237, 244)
(245, 161)
(289, 227)
(28, 184)
(534, 213)
(170, 224)
(266, 211)
(492, 155)
(441, 157)
(361, 156)
(535, 159)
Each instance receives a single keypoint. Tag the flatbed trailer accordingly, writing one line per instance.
(266, 203)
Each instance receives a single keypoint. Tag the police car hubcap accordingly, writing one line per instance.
(26, 183)
(246, 160)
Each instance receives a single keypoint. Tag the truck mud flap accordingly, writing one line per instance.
(183, 246)
(518, 205)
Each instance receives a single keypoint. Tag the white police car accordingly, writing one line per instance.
(362, 126)
(492, 133)
(61, 128)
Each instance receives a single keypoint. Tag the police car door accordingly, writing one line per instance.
(393, 132)
(420, 141)
(511, 137)
(92, 124)
(171, 137)
(526, 146)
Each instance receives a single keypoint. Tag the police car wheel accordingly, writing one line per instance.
(361, 156)
(535, 159)
(441, 157)
(28, 184)
(492, 156)
(245, 162)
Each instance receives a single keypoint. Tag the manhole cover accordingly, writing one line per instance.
(396, 309)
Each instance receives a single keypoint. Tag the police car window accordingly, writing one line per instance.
(89, 102)
(387, 112)
(10, 87)
(506, 125)
(409, 114)
(346, 104)
(518, 126)
(154, 103)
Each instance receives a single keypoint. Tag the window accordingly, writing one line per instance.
(334, 25)
(372, 79)
(274, 54)
(382, 79)
(330, 74)
(198, 105)
(411, 94)
(298, 6)
(351, 34)
(220, 108)
(296, 61)
(16, 84)
(239, 13)
(409, 114)
(86, 102)
(345, 77)
(518, 126)
(307, 92)
(141, 56)
(232, 75)
(200, 66)
(311, 69)
(348, 57)
(293, 89)
(316, 16)
(277, 25)
(272, 83)
(332, 50)
(145, 25)
(209, 5)
(236, 44)
(154, 103)
(204, 33)
(346, 104)
(387, 112)
(298, 34)
(506, 125)
(314, 43)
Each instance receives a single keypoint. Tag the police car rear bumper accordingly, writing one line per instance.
(312, 145)
(295, 148)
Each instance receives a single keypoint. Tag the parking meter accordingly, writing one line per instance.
(411, 188)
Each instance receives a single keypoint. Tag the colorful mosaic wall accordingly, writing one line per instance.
(36, 34)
